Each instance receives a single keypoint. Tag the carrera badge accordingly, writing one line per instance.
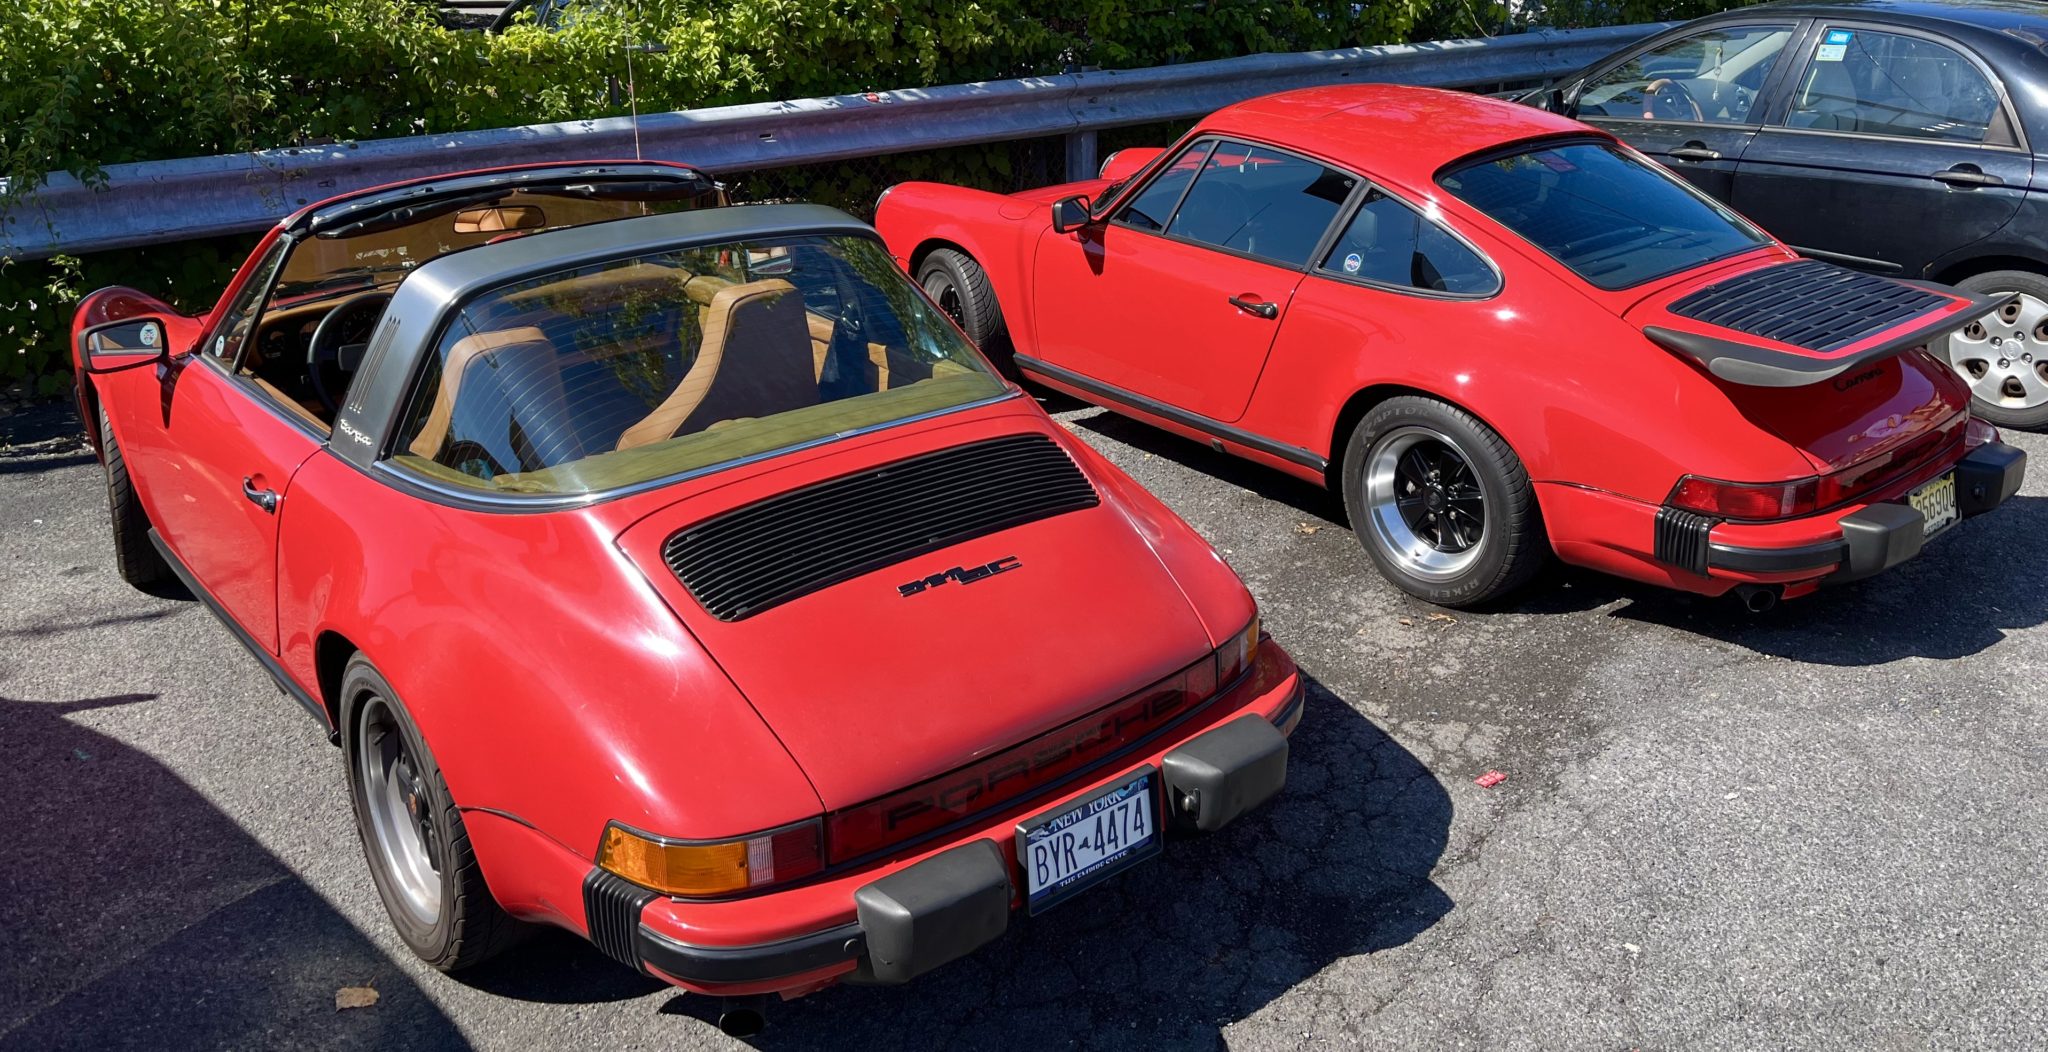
(962, 574)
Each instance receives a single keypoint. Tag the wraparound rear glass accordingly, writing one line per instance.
(590, 379)
(1614, 219)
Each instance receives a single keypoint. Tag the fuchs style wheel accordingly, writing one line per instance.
(1441, 503)
(135, 558)
(961, 288)
(2003, 356)
(412, 834)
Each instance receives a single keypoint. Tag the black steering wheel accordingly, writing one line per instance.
(338, 343)
(1669, 100)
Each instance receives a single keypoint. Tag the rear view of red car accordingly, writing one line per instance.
(1495, 332)
(677, 575)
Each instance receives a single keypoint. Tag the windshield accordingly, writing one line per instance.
(1615, 220)
(379, 251)
(590, 379)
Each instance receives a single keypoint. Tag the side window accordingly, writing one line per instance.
(248, 303)
(1888, 84)
(1154, 205)
(1390, 243)
(1711, 77)
(1261, 202)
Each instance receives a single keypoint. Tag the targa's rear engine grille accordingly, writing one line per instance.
(1810, 304)
(750, 559)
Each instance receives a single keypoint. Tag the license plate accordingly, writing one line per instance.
(1936, 503)
(1066, 850)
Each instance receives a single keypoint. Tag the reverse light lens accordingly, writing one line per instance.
(700, 869)
(1979, 432)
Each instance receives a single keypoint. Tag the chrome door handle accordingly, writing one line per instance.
(1263, 308)
(1694, 151)
(1970, 176)
(263, 498)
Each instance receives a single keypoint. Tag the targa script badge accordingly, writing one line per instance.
(962, 574)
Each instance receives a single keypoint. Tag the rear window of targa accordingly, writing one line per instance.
(590, 379)
(1612, 218)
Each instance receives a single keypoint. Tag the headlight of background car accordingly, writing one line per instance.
(707, 868)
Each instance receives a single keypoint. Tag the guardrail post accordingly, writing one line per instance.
(1081, 162)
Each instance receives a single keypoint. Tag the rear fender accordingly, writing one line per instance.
(998, 232)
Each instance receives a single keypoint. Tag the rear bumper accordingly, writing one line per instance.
(892, 922)
(1878, 536)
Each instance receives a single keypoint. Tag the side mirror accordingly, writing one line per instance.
(125, 344)
(1563, 101)
(1070, 214)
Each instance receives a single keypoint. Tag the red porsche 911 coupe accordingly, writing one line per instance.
(677, 574)
(1497, 332)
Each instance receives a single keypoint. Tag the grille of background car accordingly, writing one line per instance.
(749, 559)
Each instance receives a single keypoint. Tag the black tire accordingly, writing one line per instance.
(469, 926)
(2025, 418)
(961, 288)
(1510, 546)
(135, 558)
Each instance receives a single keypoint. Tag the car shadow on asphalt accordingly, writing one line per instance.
(41, 438)
(1171, 952)
(1305, 497)
(1964, 593)
(138, 915)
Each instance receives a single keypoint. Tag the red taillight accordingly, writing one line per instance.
(1745, 500)
(1763, 501)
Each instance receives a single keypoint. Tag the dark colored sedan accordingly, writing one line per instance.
(1901, 137)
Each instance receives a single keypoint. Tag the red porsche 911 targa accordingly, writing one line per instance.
(677, 574)
(1498, 333)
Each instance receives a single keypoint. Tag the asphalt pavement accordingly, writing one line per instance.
(1823, 827)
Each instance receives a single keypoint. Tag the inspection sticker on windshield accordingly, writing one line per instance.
(1836, 45)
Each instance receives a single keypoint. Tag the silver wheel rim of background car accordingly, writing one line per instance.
(400, 812)
(2004, 355)
(1425, 503)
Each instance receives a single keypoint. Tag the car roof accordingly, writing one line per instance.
(1983, 14)
(1388, 131)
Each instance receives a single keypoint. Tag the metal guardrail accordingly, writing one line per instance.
(160, 201)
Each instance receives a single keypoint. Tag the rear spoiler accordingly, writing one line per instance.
(1775, 328)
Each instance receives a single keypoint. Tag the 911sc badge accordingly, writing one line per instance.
(962, 574)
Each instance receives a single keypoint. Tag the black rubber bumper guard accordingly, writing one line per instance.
(1873, 540)
(957, 901)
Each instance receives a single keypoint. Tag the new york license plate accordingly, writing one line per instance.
(1066, 850)
(1936, 503)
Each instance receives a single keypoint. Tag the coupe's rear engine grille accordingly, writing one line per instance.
(747, 560)
(1810, 304)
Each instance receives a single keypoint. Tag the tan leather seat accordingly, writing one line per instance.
(460, 357)
(756, 359)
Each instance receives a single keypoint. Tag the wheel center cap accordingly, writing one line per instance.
(1434, 500)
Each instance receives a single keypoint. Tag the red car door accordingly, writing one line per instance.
(1178, 295)
(218, 470)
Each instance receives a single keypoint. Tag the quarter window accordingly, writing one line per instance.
(1389, 243)
(1889, 84)
(1262, 203)
(1711, 77)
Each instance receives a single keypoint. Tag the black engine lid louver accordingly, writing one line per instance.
(1810, 304)
(752, 558)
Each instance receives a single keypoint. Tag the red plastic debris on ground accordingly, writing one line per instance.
(1489, 779)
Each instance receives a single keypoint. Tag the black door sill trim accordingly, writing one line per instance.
(1152, 407)
(269, 662)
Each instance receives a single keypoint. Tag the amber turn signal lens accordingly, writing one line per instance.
(704, 869)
